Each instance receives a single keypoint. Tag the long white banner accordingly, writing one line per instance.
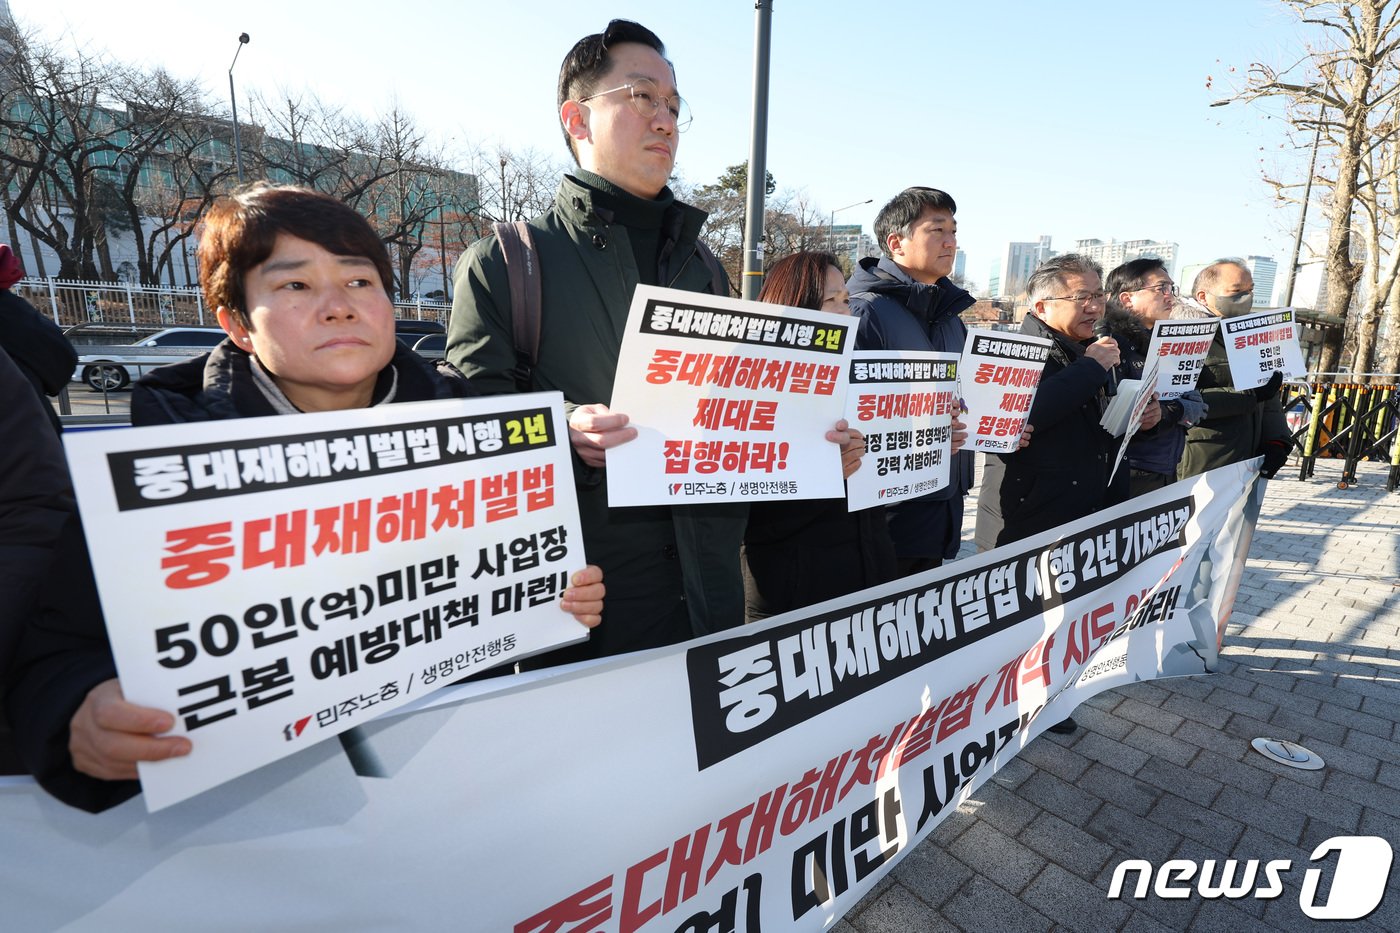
(764, 777)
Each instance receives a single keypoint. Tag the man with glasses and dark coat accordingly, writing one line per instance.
(672, 571)
(1064, 474)
(1140, 293)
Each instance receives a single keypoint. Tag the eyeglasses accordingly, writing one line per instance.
(1095, 297)
(647, 100)
(1161, 288)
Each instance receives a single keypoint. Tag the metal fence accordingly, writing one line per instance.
(124, 306)
(1334, 416)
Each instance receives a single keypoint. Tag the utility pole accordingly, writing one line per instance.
(758, 152)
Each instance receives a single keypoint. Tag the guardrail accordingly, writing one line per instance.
(73, 302)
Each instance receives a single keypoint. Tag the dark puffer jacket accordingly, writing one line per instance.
(219, 385)
(37, 346)
(897, 313)
(1063, 474)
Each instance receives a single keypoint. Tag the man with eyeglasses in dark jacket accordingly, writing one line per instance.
(1140, 292)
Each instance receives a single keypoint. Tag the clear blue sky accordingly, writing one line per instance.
(1077, 119)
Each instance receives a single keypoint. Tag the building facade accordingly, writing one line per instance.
(1012, 270)
(1113, 253)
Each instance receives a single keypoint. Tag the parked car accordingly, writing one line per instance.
(410, 332)
(108, 368)
(432, 347)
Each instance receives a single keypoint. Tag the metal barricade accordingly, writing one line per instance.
(1350, 421)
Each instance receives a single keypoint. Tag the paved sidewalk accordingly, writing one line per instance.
(1164, 770)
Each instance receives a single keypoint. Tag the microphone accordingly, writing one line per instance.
(1110, 387)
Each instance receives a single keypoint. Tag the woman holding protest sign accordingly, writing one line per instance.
(300, 283)
(804, 552)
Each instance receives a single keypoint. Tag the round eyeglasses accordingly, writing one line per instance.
(647, 100)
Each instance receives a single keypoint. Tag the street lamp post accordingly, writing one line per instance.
(831, 225)
(233, 100)
(1303, 215)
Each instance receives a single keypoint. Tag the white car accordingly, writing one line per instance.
(108, 368)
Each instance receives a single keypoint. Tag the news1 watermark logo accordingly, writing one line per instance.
(1358, 878)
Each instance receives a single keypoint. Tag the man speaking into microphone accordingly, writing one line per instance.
(1064, 474)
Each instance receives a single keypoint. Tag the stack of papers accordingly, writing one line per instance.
(1115, 419)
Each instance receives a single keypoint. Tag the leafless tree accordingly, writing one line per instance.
(1346, 84)
(512, 184)
(61, 134)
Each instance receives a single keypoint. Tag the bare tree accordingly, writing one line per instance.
(165, 173)
(512, 184)
(1378, 202)
(62, 132)
(1346, 84)
(793, 222)
(725, 201)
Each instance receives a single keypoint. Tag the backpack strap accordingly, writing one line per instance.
(526, 303)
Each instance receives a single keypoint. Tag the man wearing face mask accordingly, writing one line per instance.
(1239, 424)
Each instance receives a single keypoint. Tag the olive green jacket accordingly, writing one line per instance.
(653, 559)
(1236, 424)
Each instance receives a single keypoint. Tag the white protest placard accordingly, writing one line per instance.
(1260, 344)
(275, 581)
(998, 376)
(731, 401)
(1180, 349)
(903, 401)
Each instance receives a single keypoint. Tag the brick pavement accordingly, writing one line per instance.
(1164, 769)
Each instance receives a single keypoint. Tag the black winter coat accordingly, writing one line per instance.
(1157, 450)
(800, 553)
(1063, 474)
(37, 347)
(897, 313)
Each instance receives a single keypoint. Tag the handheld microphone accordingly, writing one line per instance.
(1110, 387)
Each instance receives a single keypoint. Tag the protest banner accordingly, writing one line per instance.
(277, 581)
(999, 374)
(731, 400)
(1260, 344)
(762, 778)
(903, 401)
(1180, 349)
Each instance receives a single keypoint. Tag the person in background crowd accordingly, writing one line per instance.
(36, 500)
(673, 571)
(1064, 475)
(803, 552)
(1140, 293)
(300, 283)
(35, 344)
(1238, 424)
(905, 301)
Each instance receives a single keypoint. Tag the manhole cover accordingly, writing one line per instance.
(1288, 753)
